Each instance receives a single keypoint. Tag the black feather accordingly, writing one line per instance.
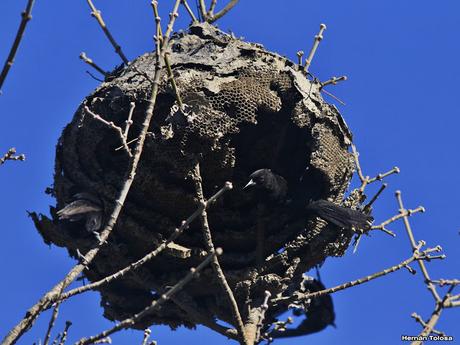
(341, 216)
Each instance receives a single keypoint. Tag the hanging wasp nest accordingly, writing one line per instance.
(246, 109)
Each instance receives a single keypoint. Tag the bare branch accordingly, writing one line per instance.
(97, 15)
(26, 16)
(64, 333)
(333, 81)
(51, 324)
(405, 216)
(10, 156)
(147, 333)
(222, 12)
(312, 53)
(215, 263)
(402, 214)
(189, 10)
(113, 126)
(90, 62)
(155, 304)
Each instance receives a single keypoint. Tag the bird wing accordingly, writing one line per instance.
(341, 216)
(76, 209)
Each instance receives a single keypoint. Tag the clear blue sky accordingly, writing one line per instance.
(402, 60)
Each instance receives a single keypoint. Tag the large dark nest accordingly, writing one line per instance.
(247, 109)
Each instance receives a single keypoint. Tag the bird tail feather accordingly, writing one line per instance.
(341, 216)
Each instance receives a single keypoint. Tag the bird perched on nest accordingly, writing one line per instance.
(86, 207)
(272, 189)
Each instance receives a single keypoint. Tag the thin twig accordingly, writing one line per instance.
(333, 81)
(177, 232)
(264, 308)
(147, 333)
(90, 62)
(416, 256)
(333, 96)
(44, 302)
(222, 12)
(65, 332)
(212, 7)
(312, 53)
(419, 319)
(300, 53)
(215, 263)
(167, 63)
(97, 15)
(155, 304)
(402, 214)
(10, 155)
(26, 16)
(405, 216)
(51, 324)
(113, 126)
(189, 10)
(129, 122)
(202, 9)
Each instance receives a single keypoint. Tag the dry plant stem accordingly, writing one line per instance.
(318, 39)
(405, 217)
(65, 332)
(155, 304)
(111, 125)
(90, 62)
(97, 15)
(434, 318)
(189, 10)
(215, 263)
(222, 12)
(10, 156)
(178, 231)
(51, 324)
(44, 302)
(26, 16)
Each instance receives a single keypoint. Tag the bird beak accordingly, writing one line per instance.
(250, 183)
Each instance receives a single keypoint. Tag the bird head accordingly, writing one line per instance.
(259, 178)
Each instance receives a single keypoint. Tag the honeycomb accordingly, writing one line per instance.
(246, 109)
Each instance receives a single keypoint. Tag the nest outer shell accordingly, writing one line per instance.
(248, 109)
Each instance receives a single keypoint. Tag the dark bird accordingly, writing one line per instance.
(318, 314)
(86, 207)
(273, 189)
(269, 187)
